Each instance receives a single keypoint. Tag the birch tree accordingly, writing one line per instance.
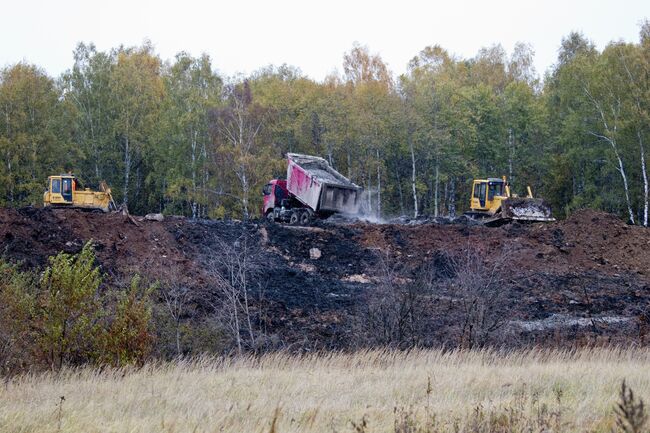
(635, 65)
(193, 89)
(235, 267)
(413, 177)
(29, 145)
(238, 127)
(436, 91)
(86, 87)
(605, 90)
(137, 90)
(610, 124)
(371, 87)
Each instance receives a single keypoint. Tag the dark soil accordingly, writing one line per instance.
(583, 280)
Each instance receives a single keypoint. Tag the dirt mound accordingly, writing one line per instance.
(602, 241)
(586, 276)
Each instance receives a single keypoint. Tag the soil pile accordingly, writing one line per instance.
(583, 279)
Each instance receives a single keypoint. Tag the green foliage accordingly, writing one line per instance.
(28, 140)
(598, 118)
(178, 138)
(69, 309)
(181, 176)
(129, 337)
(62, 318)
(17, 306)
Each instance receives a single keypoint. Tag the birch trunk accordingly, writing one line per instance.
(127, 170)
(243, 270)
(193, 146)
(378, 186)
(644, 171)
(244, 184)
(349, 165)
(178, 336)
(138, 180)
(399, 188)
(511, 155)
(11, 182)
(413, 180)
(369, 183)
(235, 316)
(205, 177)
(621, 169)
(445, 199)
(452, 197)
(95, 148)
(436, 188)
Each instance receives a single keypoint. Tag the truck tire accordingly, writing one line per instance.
(305, 218)
(295, 218)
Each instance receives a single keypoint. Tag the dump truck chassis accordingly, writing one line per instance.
(294, 216)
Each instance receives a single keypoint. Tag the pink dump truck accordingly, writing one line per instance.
(312, 189)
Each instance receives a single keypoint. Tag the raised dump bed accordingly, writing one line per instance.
(319, 187)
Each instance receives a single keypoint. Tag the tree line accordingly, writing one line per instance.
(179, 138)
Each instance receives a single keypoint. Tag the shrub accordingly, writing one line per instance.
(16, 310)
(129, 339)
(69, 309)
(62, 318)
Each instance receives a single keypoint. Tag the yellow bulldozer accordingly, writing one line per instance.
(493, 204)
(66, 191)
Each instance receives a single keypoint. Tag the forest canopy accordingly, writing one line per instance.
(175, 136)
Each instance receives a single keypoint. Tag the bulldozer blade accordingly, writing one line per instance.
(526, 209)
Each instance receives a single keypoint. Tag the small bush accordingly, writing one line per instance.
(69, 309)
(16, 310)
(129, 338)
(62, 318)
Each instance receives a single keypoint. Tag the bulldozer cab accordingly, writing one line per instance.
(61, 189)
(487, 194)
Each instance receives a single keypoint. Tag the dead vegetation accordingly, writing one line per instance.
(235, 269)
(480, 289)
(477, 391)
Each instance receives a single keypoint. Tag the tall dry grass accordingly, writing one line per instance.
(373, 391)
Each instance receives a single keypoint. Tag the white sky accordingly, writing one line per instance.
(242, 36)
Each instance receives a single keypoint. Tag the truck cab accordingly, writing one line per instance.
(274, 192)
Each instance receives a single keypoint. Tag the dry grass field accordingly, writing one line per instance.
(376, 391)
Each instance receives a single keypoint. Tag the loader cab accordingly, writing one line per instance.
(487, 194)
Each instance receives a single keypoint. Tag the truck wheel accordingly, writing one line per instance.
(295, 218)
(305, 218)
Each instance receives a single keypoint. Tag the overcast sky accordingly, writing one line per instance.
(242, 36)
